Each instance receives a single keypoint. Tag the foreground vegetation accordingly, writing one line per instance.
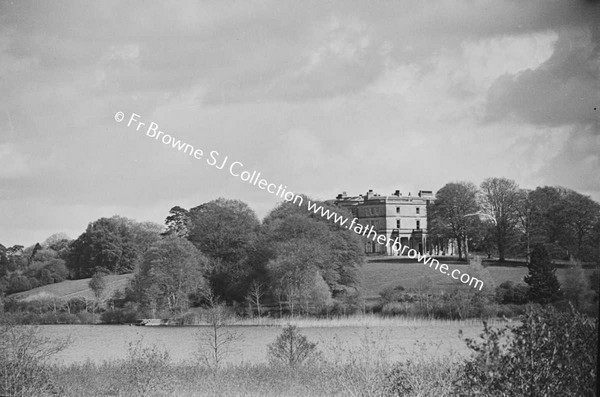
(549, 353)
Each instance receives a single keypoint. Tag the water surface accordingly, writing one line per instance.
(109, 342)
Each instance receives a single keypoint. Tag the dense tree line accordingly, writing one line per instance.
(23, 268)
(295, 261)
(111, 245)
(502, 218)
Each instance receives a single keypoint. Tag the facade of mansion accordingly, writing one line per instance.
(393, 216)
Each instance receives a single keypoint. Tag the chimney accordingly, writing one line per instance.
(342, 195)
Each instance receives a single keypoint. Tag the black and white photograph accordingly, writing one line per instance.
(299, 198)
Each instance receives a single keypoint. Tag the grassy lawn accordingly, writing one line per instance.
(381, 272)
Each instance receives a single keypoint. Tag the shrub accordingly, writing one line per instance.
(291, 348)
(396, 309)
(343, 308)
(431, 377)
(393, 294)
(147, 370)
(23, 355)
(118, 316)
(550, 354)
(511, 293)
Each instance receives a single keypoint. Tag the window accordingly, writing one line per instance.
(418, 225)
(397, 210)
(397, 223)
(418, 210)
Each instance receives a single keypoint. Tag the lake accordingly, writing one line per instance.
(98, 343)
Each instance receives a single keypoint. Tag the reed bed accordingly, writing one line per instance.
(358, 320)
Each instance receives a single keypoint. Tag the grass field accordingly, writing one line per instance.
(377, 274)
(381, 272)
(74, 288)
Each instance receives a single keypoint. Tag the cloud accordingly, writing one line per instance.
(563, 90)
(577, 165)
(320, 96)
(563, 93)
(13, 164)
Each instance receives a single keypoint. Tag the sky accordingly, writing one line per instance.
(322, 97)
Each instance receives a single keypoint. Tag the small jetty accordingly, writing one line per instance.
(156, 322)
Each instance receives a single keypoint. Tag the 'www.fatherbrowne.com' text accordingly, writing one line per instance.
(394, 244)
(237, 169)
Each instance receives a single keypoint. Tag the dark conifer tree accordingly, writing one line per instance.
(543, 284)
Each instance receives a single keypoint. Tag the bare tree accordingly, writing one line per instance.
(255, 295)
(98, 286)
(500, 199)
(217, 340)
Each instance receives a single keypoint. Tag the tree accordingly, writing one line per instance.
(225, 230)
(170, 271)
(565, 221)
(56, 241)
(18, 283)
(291, 348)
(143, 234)
(525, 220)
(500, 202)
(295, 274)
(98, 285)
(114, 244)
(59, 243)
(308, 242)
(452, 211)
(543, 284)
(319, 295)
(178, 222)
(583, 215)
(255, 294)
(216, 341)
(549, 219)
(36, 248)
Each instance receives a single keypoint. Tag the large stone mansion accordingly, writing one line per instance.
(393, 216)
